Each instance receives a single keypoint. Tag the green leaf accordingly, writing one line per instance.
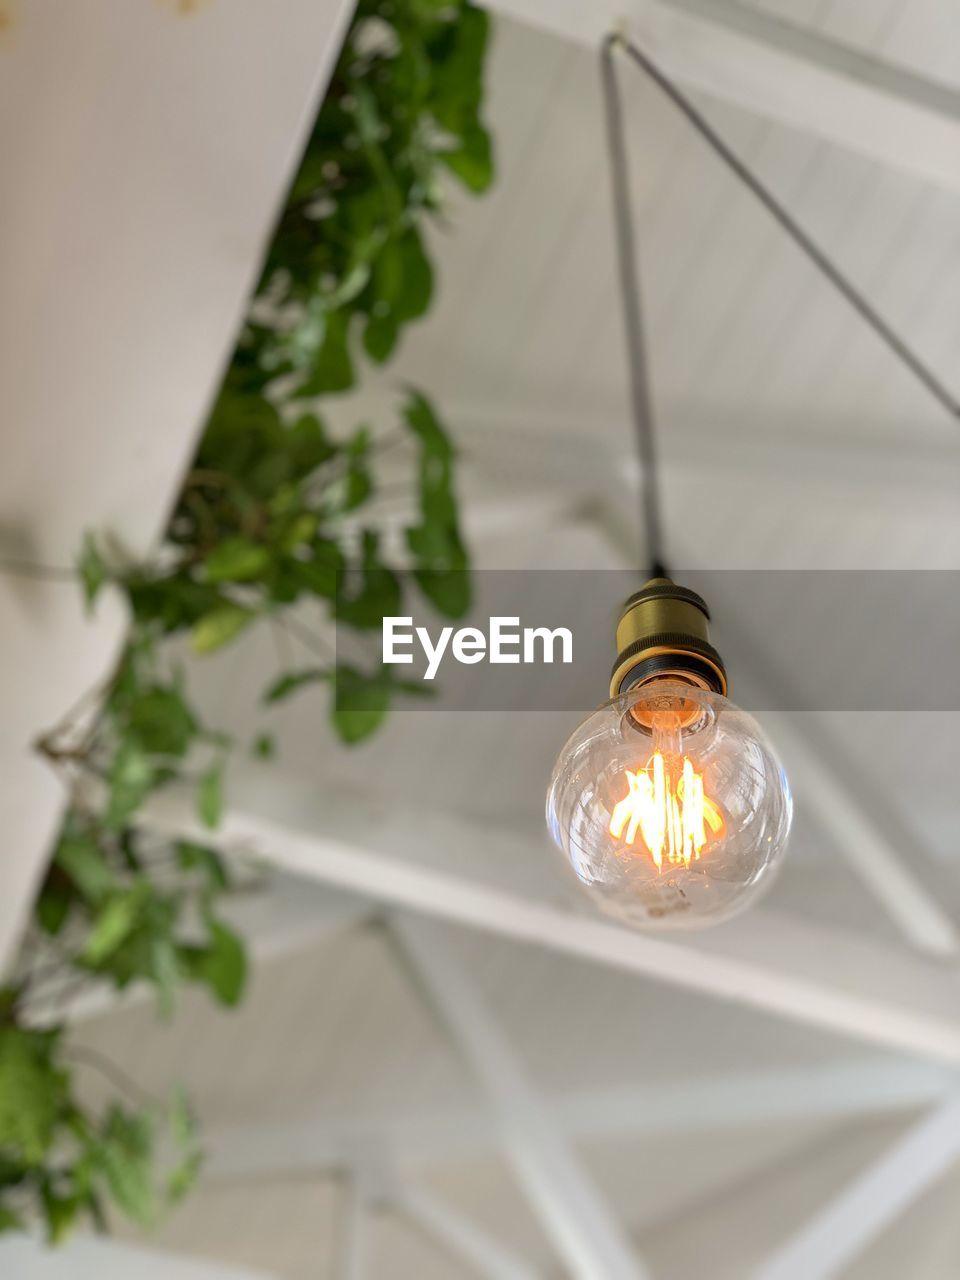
(210, 796)
(164, 970)
(422, 420)
(222, 964)
(380, 337)
(60, 1212)
(52, 909)
(173, 603)
(417, 292)
(300, 532)
(236, 560)
(457, 88)
(10, 1220)
(264, 746)
(356, 485)
(13, 1172)
(220, 627)
(353, 283)
(197, 857)
(183, 1134)
(114, 923)
(360, 704)
(367, 596)
(142, 946)
(472, 161)
(183, 1177)
(227, 965)
(32, 1092)
(449, 591)
(92, 569)
(403, 277)
(85, 863)
(9, 995)
(130, 778)
(127, 841)
(322, 571)
(124, 1153)
(183, 1129)
(293, 680)
(245, 432)
(441, 569)
(286, 582)
(162, 722)
(305, 446)
(332, 369)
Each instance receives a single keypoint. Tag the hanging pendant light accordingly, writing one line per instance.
(668, 801)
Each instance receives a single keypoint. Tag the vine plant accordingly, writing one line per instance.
(276, 509)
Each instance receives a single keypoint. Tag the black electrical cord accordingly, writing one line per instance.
(629, 277)
(630, 282)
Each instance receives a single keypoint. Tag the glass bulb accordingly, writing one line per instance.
(671, 806)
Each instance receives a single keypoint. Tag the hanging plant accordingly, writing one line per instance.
(275, 509)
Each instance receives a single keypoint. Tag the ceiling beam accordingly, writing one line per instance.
(872, 1201)
(779, 70)
(844, 984)
(562, 1194)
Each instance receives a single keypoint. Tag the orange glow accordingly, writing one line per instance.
(670, 813)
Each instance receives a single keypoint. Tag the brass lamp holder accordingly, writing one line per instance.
(663, 634)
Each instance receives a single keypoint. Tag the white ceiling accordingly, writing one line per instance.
(711, 1130)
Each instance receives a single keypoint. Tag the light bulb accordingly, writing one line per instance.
(669, 803)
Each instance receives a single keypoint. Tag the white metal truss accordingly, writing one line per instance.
(562, 1193)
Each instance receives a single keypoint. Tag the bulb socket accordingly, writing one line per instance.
(663, 633)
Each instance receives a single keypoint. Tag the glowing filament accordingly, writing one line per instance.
(672, 820)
